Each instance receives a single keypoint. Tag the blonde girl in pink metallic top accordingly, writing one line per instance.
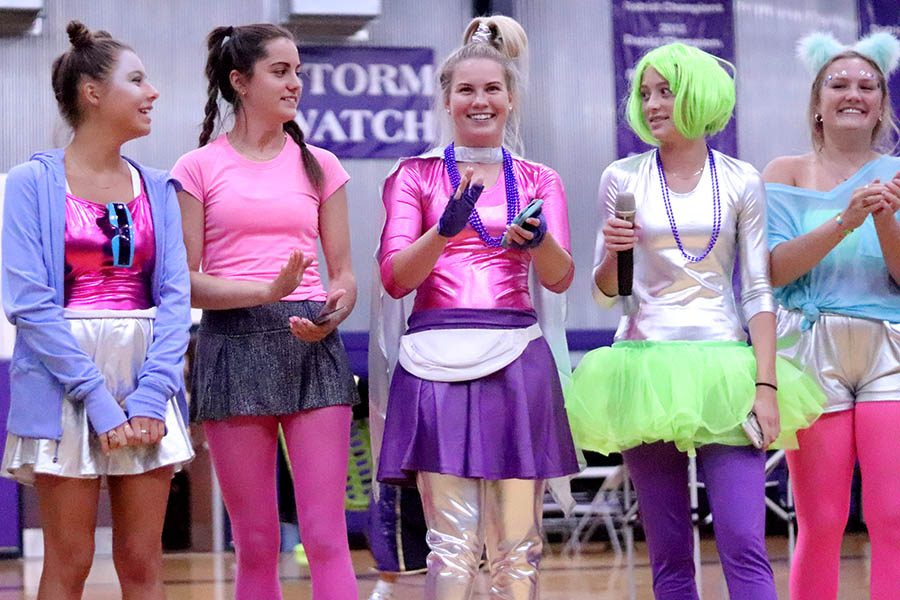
(475, 415)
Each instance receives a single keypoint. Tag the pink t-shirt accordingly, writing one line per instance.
(255, 213)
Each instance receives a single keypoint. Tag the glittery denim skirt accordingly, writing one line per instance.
(249, 364)
(117, 341)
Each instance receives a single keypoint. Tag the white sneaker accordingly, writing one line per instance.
(384, 590)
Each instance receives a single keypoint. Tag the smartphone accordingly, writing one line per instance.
(327, 314)
(753, 430)
(532, 210)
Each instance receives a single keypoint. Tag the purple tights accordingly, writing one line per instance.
(735, 480)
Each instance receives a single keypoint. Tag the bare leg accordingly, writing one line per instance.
(68, 510)
(138, 510)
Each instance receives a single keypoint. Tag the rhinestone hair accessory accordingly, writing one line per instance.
(512, 194)
(882, 48)
(482, 35)
(717, 208)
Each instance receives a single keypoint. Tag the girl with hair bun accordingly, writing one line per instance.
(256, 200)
(680, 378)
(475, 415)
(834, 236)
(96, 282)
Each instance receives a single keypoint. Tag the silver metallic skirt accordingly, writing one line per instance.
(117, 341)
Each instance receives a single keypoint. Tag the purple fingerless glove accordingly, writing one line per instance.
(538, 232)
(457, 212)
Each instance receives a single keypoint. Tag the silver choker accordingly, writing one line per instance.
(478, 155)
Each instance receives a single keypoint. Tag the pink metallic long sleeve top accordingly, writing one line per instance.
(468, 274)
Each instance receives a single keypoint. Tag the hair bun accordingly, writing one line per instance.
(503, 33)
(79, 35)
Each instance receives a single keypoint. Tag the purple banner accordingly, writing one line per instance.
(882, 15)
(368, 102)
(9, 491)
(640, 26)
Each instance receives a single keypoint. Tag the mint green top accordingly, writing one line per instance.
(853, 278)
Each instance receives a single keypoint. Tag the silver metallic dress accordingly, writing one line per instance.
(680, 370)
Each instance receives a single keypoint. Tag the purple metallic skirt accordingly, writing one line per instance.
(511, 424)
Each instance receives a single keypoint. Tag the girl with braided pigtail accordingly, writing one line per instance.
(268, 351)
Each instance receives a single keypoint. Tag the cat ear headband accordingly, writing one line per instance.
(882, 48)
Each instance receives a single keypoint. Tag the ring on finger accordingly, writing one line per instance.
(144, 432)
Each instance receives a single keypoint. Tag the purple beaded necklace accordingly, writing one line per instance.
(717, 208)
(512, 194)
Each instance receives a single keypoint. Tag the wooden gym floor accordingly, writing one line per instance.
(594, 575)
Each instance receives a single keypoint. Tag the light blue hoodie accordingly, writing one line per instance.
(47, 362)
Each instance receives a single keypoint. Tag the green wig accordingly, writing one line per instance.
(703, 89)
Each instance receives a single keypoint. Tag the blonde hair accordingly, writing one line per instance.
(887, 125)
(507, 45)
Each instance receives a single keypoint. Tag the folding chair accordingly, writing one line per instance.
(606, 504)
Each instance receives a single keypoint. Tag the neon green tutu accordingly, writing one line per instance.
(689, 393)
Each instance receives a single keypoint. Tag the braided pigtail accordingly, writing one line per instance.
(310, 164)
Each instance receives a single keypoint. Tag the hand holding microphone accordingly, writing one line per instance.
(619, 237)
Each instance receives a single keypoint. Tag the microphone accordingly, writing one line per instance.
(625, 259)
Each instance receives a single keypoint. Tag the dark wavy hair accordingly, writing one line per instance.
(239, 49)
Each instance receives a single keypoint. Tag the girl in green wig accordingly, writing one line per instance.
(702, 90)
(680, 378)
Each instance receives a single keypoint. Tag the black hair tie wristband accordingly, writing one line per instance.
(767, 384)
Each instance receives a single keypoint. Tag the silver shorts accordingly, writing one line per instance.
(118, 345)
(853, 359)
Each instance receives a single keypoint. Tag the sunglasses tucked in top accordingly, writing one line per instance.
(109, 252)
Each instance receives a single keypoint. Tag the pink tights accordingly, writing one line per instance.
(243, 452)
(821, 471)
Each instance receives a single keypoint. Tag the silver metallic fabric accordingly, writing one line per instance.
(467, 516)
(383, 591)
(118, 347)
(674, 299)
(853, 359)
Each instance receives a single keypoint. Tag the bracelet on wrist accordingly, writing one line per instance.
(845, 231)
(767, 384)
